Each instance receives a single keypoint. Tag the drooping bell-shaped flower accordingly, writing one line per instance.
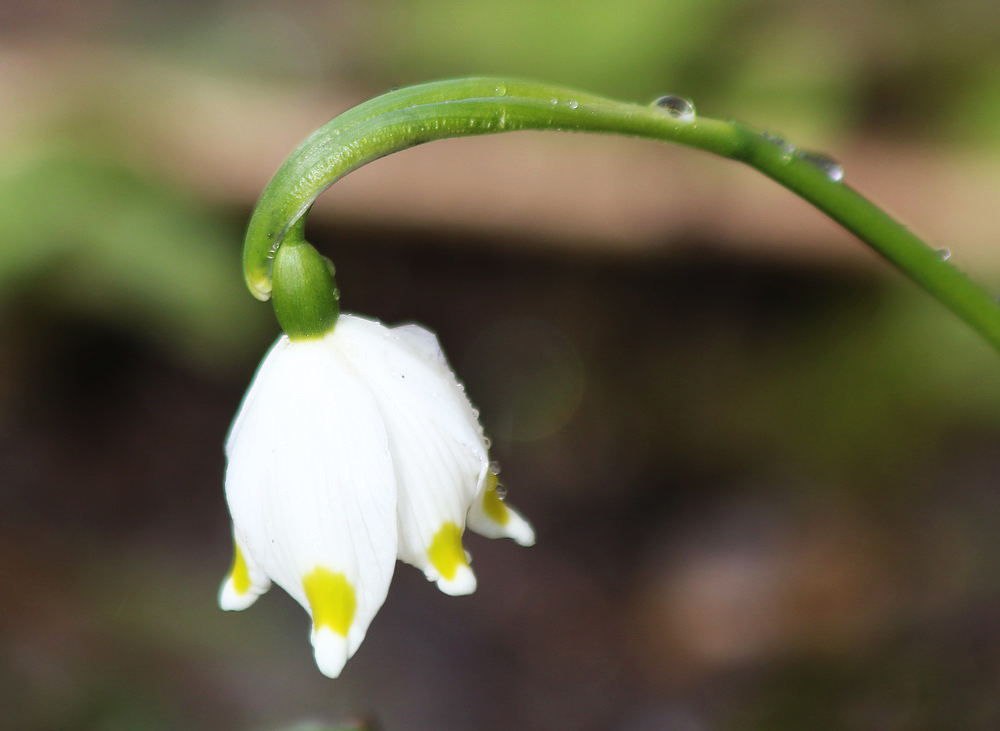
(354, 446)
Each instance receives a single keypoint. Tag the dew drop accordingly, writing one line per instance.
(501, 492)
(833, 169)
(943, 254)
(501, 90)
(572, 104)
(787, 148)
(495, 467)
(677, 107)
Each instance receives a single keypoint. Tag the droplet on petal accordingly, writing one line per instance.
(491, 517)
(494, 508)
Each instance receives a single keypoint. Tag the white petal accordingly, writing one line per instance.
(273, 360)
(420, 340)
(436, 442)
(311, 488)
(408, 361)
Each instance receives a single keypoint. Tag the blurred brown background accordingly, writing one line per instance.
(763, 467)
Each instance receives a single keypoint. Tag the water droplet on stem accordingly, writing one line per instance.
(677, 107)
(833, 169)
(787, 148)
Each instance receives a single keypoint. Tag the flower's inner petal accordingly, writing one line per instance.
(244, 583)
(491, 517)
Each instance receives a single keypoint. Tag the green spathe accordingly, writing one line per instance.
(305, 297)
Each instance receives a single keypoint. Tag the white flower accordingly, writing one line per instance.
(350, 451)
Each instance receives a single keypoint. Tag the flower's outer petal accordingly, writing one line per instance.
(437, 445)
(490, 516)
(312, 492)
(245, 582)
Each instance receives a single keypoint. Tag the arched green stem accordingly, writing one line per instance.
(465, 107)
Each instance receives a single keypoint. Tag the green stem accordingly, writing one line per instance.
(477, 106)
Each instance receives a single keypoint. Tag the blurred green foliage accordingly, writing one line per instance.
(821, 70)
(85, 234)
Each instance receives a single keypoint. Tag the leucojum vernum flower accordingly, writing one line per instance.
(355, 446)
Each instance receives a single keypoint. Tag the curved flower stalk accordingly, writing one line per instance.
(477, 106)
(350, 451)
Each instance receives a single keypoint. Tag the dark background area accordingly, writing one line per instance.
(761, 465)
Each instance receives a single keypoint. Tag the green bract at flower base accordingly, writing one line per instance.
(305, 297)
